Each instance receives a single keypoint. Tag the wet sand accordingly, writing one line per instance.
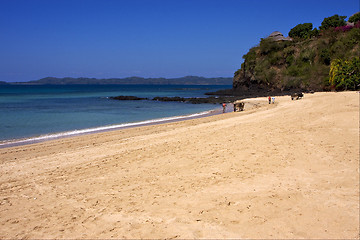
(285, 170)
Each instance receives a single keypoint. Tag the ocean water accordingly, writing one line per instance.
(30, 112)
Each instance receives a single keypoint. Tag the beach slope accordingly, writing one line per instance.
(284, 170)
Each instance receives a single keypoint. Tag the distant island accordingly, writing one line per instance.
(188, 80)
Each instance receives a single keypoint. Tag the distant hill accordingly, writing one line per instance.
(3, 83)
(188, 80)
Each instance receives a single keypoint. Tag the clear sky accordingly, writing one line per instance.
(145, 38)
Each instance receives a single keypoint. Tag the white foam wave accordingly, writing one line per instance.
(98, 129)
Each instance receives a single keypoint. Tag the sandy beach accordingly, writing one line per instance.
(285, 170)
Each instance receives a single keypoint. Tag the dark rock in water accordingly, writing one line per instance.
(213, 100)
(169, 99)
(123, 98)
(189, 100)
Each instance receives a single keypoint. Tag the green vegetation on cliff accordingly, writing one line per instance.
(304, 63)
(345, 75)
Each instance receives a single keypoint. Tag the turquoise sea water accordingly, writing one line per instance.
(30, 111)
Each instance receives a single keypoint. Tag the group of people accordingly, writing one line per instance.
(271, 99)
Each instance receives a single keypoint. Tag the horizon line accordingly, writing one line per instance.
(113, 78)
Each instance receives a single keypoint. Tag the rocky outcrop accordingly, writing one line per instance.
(213, 100)
(122, 98)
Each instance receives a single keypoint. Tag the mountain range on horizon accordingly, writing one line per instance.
(187, 80)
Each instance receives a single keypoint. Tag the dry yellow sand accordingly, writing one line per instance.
(288, 170)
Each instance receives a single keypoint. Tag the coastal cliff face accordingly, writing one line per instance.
(283, 64)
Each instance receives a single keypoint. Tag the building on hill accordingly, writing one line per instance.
(278, 36)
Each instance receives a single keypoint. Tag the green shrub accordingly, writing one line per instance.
(314, 32)
(250, 59)
(352, 38)
(333, 21)
(345, 74)
(307, 55)
(293, 71)
(284, 44)
(289, 51)
(355, 18)
(291, 82)
(338, 49)
(301, 31)
(261, 69)
(289, 59)
(267, 46)
(276, 58)
(325, 56)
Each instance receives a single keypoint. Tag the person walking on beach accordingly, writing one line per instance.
(269, 99)
(273, 100)
(224, 107)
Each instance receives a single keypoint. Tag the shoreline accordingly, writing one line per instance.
(93, 130)
(285, 171)
(100, 129)
(108, 128)
(79, 132)
(76, 107)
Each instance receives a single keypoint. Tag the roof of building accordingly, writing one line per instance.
(278, 36)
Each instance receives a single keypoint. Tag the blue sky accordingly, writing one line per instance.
(146, 38)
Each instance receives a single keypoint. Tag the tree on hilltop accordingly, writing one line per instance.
(333, 21)
(301, 31)
(355, 18)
